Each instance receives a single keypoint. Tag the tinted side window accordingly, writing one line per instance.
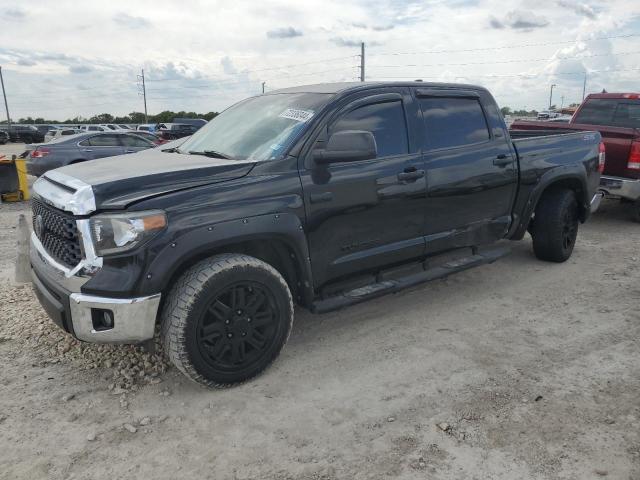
(453, 122)
(385, 120)
(134, 141)
(104, 141)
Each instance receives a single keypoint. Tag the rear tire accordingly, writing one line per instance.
(555, 226)
(226, 319)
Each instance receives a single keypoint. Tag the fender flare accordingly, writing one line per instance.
(207, 239)
(548, 179)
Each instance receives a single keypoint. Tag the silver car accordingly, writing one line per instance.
(82, 147)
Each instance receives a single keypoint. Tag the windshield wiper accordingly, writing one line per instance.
(211, 153)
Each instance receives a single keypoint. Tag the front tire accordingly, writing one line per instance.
(555, 226)
(226, 319)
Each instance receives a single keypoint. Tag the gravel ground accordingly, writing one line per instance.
(515, 370)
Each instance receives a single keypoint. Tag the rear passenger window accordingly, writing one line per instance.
(103, 141)
(134, 141)
(453, 122)
(385, 120)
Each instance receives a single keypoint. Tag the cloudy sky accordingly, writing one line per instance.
(66, 58)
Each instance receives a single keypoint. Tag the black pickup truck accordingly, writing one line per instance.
(323, 196)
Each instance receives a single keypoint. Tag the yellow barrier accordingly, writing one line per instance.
(23, 185)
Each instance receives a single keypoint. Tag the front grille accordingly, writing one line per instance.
(58, 233)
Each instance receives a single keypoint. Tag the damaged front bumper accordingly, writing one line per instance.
(89, 318)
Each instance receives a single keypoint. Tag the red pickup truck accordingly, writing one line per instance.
(617, 117)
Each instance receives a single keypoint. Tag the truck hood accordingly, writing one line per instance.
(119, 181)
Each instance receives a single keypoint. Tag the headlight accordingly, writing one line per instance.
(119, 232)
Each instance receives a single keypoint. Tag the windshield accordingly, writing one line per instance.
(259, 128)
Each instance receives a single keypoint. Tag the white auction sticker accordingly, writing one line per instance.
(297, 115)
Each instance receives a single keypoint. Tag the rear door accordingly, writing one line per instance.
(100, 146)
(366, 214)
(471, 170)
(134, 143)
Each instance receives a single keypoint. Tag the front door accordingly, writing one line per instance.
(366, 214)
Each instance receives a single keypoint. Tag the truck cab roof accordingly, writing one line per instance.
(630, 95)
(344, 87)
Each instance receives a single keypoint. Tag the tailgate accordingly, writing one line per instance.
(618, 144)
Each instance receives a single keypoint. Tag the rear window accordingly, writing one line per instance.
(453, 122)
(610, 111)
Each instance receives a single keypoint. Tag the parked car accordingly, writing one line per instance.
(172, 131)
(114, 126)
(94, 128)
(617, 117)
(44, 129)
(547, 114)
(196, 122)
(60, 132)
(146, 127)
(316, 195)
(4, 137)
(24, 134)
(67, 150)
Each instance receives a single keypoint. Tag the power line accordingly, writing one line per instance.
(246, 72)
(506, 47)
(526, 75)
(547, 59)
(240, 82)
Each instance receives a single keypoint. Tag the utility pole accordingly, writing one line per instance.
(144, 95)
(584, 85)
(263, 87)
(561, 102)
(551, 95)
(362, 61)
(6, 105)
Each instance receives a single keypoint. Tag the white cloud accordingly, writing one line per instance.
(131, 21)
(285, 32)
(212, 54)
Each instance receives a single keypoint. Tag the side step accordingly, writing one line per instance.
(375, 290)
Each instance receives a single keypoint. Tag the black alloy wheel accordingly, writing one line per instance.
(238, 327)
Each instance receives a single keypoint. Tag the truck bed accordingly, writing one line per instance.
(617, 141)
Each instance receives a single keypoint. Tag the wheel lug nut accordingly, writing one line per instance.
(226, 322)
(249, 320)
(244, 334)
(239, 312)
(229, 335)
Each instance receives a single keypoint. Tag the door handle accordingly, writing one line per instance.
(502, 160)
(87, 150)
(129, 151)
(321, 197)
(410, 173)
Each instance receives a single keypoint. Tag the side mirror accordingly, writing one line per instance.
(347, 146)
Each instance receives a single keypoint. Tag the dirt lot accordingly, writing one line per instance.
(516, 370)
